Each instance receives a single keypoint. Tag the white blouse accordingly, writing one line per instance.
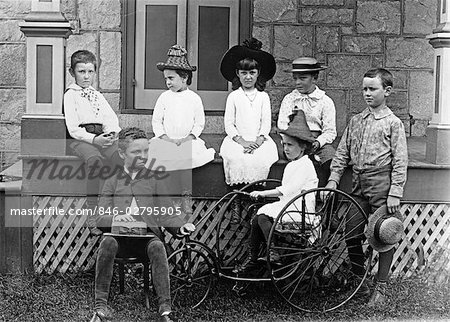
(178, 114)
(319, 111)
(247, 118)
(79, 109)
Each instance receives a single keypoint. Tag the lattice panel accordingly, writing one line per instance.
(63, 244)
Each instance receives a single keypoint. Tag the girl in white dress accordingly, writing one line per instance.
(247, 151)
(178, 119)
(299, 175)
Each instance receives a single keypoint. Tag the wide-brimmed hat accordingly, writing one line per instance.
(176, 60)
(306, 65)
(298, 127)
(250, 49)
(384, 230)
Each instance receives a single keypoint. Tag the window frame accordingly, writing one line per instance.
(128, 28)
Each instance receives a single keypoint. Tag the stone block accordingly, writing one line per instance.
(322, 2)
(68, 8)
(10, 31)
(10, 137)
(378, 17)
(276, 96)
(327, 39)
(280, 10)
(113, 100)
(99, 14)
(262, 33)
(361, 44)
(409, 53)
(12, 104)
(420, 16)
(292, 42)
(321, 15)
(400, 79)
(340, 100)
(110, 60)
(417, 128)
(87, 40)
(12, 64)
(346, 71)
(421, 96)
(397, 102)
(347, 30)
(377, 61)
(14, 8)
(283, 76)
(357, 103)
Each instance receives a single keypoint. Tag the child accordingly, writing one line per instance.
(374, 142)
(319, 109)
(298, 175)
(247, 151)
(178, 120)
(92, 124)
(126, 195)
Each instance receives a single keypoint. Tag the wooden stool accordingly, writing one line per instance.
(122, 261)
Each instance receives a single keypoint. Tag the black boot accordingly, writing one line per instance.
(250, 263)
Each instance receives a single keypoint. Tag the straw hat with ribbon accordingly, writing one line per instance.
(250, 49)
(176, 60)
(384, 230)
(306, 65)
(298, 127)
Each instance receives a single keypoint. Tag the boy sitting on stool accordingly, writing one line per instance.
(136, 198)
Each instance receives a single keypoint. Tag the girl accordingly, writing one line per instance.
(178, 120)
(247, 151)
(298, 175)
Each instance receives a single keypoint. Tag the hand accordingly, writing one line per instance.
(330, 185)
(187, 229)
(103, 140)
(256, 194)
(315, 146)
(125, 217)
(260, 140)
(393, 204)
(188, 138)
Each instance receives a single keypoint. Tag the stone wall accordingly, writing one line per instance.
(349, 36)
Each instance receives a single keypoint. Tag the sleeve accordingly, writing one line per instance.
(328, 123)
(158, 117)
(230, 117)
(342, 157)
(199, 117)
(72, 119)
(399, 159)
(266, 116)
(285, 111)
(298, 179)
(110, 119)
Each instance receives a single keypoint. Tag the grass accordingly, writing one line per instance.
(70, 298)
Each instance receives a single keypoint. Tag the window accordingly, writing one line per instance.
(206, 28)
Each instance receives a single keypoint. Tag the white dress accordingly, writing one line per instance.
(248, 119)
(298, 175)
(178, 114)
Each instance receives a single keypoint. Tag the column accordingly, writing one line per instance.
(46, 31)
(438, 131)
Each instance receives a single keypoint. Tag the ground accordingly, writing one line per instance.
(70, 298)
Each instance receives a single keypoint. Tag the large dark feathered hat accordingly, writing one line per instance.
(176, 60)
(250, 49)
(298, 127)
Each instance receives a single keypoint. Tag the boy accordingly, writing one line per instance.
(318, 108)
(126, 195)
(92, 124)
(374, 143)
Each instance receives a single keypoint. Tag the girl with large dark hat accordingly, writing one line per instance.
(247, 151)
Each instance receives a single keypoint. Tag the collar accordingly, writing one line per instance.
(78, 87)
(377, 114)
(317, 94)
(132, 175)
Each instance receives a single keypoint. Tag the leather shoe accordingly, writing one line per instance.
(101, 315)
(378, 297)
(165, 318)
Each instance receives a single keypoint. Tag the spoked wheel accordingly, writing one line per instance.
(191, 276)
(314, 239)
(233, 226)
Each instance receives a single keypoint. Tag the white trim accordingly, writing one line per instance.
(146, 98)
(53, 6)
(43, 116)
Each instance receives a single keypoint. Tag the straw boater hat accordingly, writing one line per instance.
(250, 49)
(306, 65)
(177, 60)
(384, 230)
(298, 128)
